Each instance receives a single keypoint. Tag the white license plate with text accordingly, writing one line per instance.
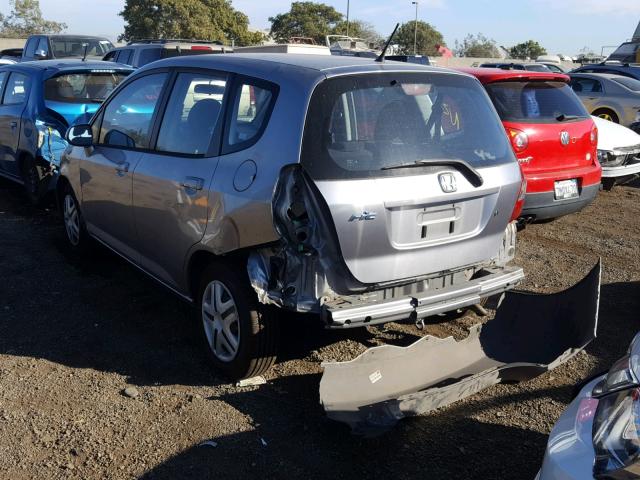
(566, 189)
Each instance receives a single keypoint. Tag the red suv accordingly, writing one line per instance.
(552, 135)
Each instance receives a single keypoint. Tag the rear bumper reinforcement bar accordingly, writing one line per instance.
(346, 314)
(621, 171)
(529, 335)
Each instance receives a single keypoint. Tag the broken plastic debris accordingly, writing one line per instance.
(530, 334)
(251, 382)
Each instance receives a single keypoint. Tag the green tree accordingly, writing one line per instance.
(305, 19)
(26, 19)
(528, 49)
(427, 38)
(477, 46)
(197, 19)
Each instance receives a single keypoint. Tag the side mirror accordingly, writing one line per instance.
(40, 55)
(80, 136)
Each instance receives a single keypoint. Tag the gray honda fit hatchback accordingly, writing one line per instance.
(361, 191)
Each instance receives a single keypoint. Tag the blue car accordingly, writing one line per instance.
(38, 102)
(623, 69)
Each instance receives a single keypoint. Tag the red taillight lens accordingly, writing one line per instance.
(200, 47)
(594, 136)
(517, 208)
(519, 140)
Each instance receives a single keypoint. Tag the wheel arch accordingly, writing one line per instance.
(200, 259)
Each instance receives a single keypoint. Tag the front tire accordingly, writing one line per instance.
(74, 226)
(239, 333)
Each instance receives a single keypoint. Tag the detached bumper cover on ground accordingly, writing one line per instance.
(530, 335)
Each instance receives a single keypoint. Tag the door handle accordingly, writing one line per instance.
(14, 125)
(122, 168)
(192, 183)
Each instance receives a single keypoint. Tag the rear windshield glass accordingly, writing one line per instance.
(85, 87)
(535, 102)
(630, 83)
(626, 52)
(359, 126)
(74, 47)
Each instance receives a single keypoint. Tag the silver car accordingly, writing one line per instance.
(612, 97)
(359, 191)
(598, 435)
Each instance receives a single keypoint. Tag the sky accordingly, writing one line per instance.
(561, 26)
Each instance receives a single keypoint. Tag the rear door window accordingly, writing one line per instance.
(192, 114)
(366, 125)
(586, 85)
(630, 83)
(43, 45)
(148, 55)
(3, 76)
(17, 89)
(535, 102)
(252, 104)
(30, 49)
(128, 118)
(125, 56)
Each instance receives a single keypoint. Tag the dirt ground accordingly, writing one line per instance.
(74, 335)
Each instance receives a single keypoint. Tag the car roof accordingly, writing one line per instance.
(609, 76)
(88, 37)
(623, 68)
(329, 65)
(490, 75)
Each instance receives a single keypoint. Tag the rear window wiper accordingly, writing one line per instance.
(565, 118)
(470, 173)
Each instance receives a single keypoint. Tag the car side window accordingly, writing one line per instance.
(111, 56)
(125, 56)
(127, 119)
(3, 76)
(17, 89)
(30, 49)
(43, 45)
(192, 114)
(251, 109)
(586, 85)
(148, 55)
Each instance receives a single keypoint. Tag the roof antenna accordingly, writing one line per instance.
(86, 47)
(384, 50)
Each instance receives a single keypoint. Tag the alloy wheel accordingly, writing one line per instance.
(221, 321)
(71, 220)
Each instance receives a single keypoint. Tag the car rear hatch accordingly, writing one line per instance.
(73, 96)
(414, 170)
(549, 127)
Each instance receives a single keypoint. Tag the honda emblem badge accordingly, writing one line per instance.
(447, 182)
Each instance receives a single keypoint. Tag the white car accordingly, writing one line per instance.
(598, 435)
(618, 152)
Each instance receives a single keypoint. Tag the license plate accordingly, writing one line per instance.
(566, 189)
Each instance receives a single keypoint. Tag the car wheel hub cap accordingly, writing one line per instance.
(221, 321)
(71, 220)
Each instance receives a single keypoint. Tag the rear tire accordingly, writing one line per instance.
(32, 179)
(606, 114)
(239, 333)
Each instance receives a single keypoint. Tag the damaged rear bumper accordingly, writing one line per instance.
(529, 335)
(357, 311)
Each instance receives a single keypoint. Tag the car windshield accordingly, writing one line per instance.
(369, 125)
(626, 52)
(82, 87)
(535, 102)
(630, 83)
(64, 47)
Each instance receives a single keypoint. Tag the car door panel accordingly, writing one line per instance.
(170, 208)
(170, 186)
(11, 110)
(106, 180)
